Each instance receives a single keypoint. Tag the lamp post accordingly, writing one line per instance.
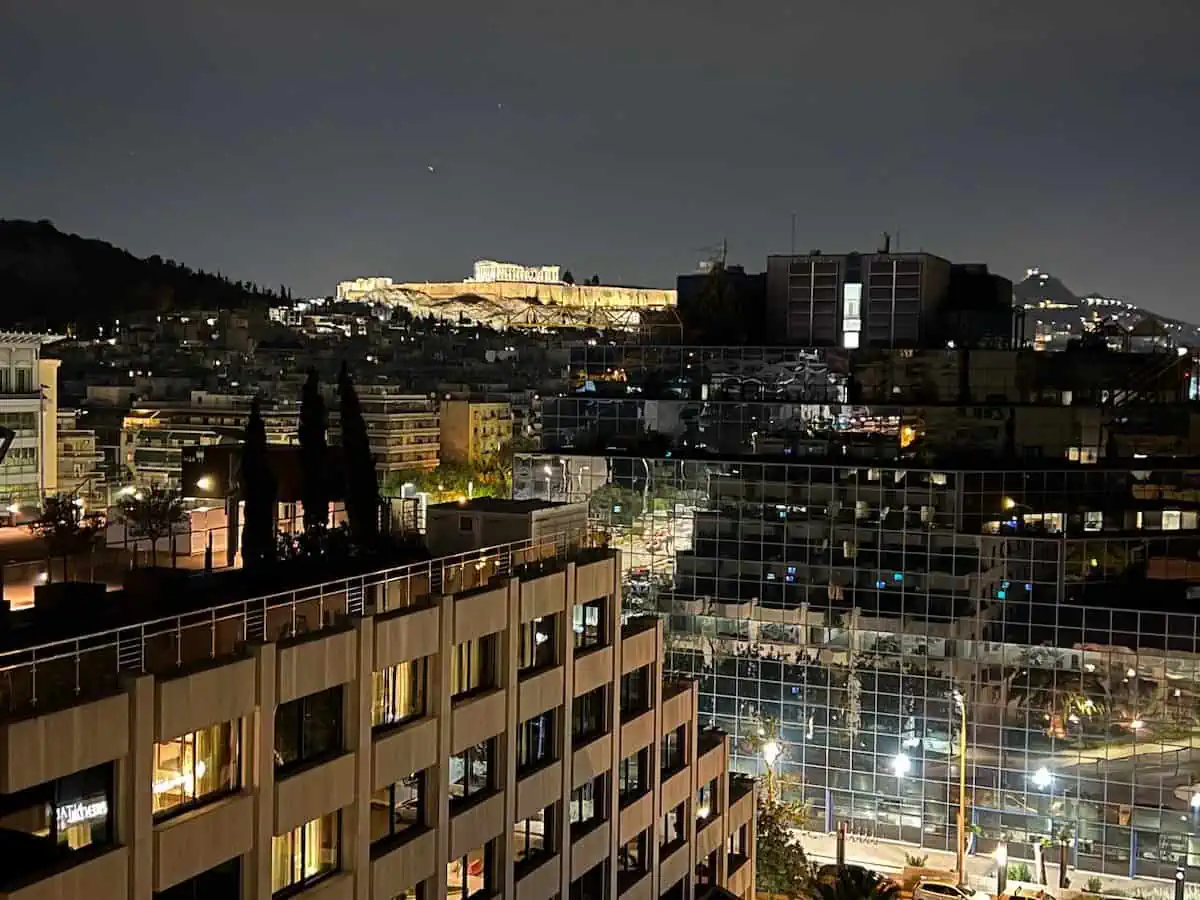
(771, 751)
(961, 854)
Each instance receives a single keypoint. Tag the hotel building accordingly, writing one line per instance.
(477, 725)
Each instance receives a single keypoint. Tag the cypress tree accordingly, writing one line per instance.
(314, 457)
(257, 487)
(362, 483)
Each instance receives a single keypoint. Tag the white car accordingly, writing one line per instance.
(944, 890)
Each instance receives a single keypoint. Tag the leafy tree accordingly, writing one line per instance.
(65, 528)
(257, 490)
(568, 277)
(314, 458)
(594, 280)
(153, 515)
(851, 883)
(782, 867)
(362, 482)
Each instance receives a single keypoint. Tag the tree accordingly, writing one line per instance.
(65, 528)
(153, 515)
(314, 458)
(256, 488)
(782, 866)
(851, 883)
(568, 277)
(594, 280)
(362, 482)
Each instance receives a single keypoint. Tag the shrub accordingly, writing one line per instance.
(912, 859)
(1020, 872)
(1094, 885)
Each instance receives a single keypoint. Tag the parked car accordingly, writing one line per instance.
(928, 889)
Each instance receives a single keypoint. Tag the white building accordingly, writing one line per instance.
(352, 290)
(28, 407)
(490, 270)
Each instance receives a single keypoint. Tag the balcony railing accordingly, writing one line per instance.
(58, 673)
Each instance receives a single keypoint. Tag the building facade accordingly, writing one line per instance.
(80, 461)
(402, 428)
(28, 407)
(844, 545)
(483, 724)
(474, 430)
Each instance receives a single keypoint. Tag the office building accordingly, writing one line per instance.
(885, 299)
(474, 430)
(483, 724)
(976, 535)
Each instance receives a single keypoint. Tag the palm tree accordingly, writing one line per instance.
(851, 883)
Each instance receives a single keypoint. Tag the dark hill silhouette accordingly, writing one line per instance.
(49, 279)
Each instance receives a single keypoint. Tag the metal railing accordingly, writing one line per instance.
(61, 672)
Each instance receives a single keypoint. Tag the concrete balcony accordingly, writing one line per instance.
(639, 643)
(476, 825)
(590, 848)
(401, 750)
(637, 732)
(216, 692)
(741, 801)
(103, 877)
(542, 882)
(543, 595)
(596, 578)
(538, 789)
(477, 718)
(592, 759)
(480, 612)
(197, 840)
(315, 662)
(40, 748)
(636, 817)
(313, 791)
(711, 755)
(673, 865)
(405, 634)
(741, 875)
(538, 692)
(400, 866)
(637, 888)
(709, 835)
(676, 788)
(593, 668)
(678, 704)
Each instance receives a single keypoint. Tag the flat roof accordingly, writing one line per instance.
(498, 505)
(27, 338)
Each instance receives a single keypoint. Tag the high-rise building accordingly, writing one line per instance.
(484, 724)
(855, 552)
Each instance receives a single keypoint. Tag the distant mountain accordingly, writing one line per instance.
(49, 279)
(1055, 302)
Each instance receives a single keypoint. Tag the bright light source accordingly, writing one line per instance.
(1042, 778)
(1137, 724)
(127, 491)
(901, 765)
(1196, 800)
(1131, 673)
(1009, 502)
(771, 751)
(204, 483)
(1002, 854)
(703, 811)
(13, 508)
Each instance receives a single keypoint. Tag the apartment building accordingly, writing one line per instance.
(80, 461)
(473, 430)
(402, 428)
(28, 402)
(482, 724)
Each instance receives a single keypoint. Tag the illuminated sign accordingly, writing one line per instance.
(80, 812)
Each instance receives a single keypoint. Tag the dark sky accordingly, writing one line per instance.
(289, 141)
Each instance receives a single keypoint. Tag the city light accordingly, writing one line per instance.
(13, 508)
(204, 483)
(1042, 778)
(901, 765)
(770, 752)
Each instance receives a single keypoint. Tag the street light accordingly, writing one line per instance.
(1042, 779)
(961, 848)
(901, 765)
(770, 752)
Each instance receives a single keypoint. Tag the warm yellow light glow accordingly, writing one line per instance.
(1009, 502)
(771, 751)
(204, 483)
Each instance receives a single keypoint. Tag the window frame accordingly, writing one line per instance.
(420, 780)
(233, 742)
(296, 835)
(387, 681)
(306, 755)
(470, 755)
(586, 640)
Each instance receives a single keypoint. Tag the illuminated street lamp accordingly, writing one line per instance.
(901, 765)
(771, 751)
(1042, 779)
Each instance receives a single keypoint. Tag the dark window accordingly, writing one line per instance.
(592, 884)
(674, 827)
(587, 804)
(537, 650)
(398, 692)
(220, 881)
(473, 665)
(588, 715)
(465, 523)
(533, 840)
(632, 859)
(195, 768)
(739, 843)
(635, 691)
(535, 741)
(398, 808)
(674, 756)
(473, 771)
(474, 873)
(305, 854)
(44, 825)
(308, 728)
(588, 624)
(633, 775)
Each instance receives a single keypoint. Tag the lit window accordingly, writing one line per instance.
(195, 767)
(850, 340)
(472, 665)
(587, 624)
(398, 807)
(306, 854)
(398, 693)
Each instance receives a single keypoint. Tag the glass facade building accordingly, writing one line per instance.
(855, 594)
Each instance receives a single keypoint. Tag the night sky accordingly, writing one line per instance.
(290, 141)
